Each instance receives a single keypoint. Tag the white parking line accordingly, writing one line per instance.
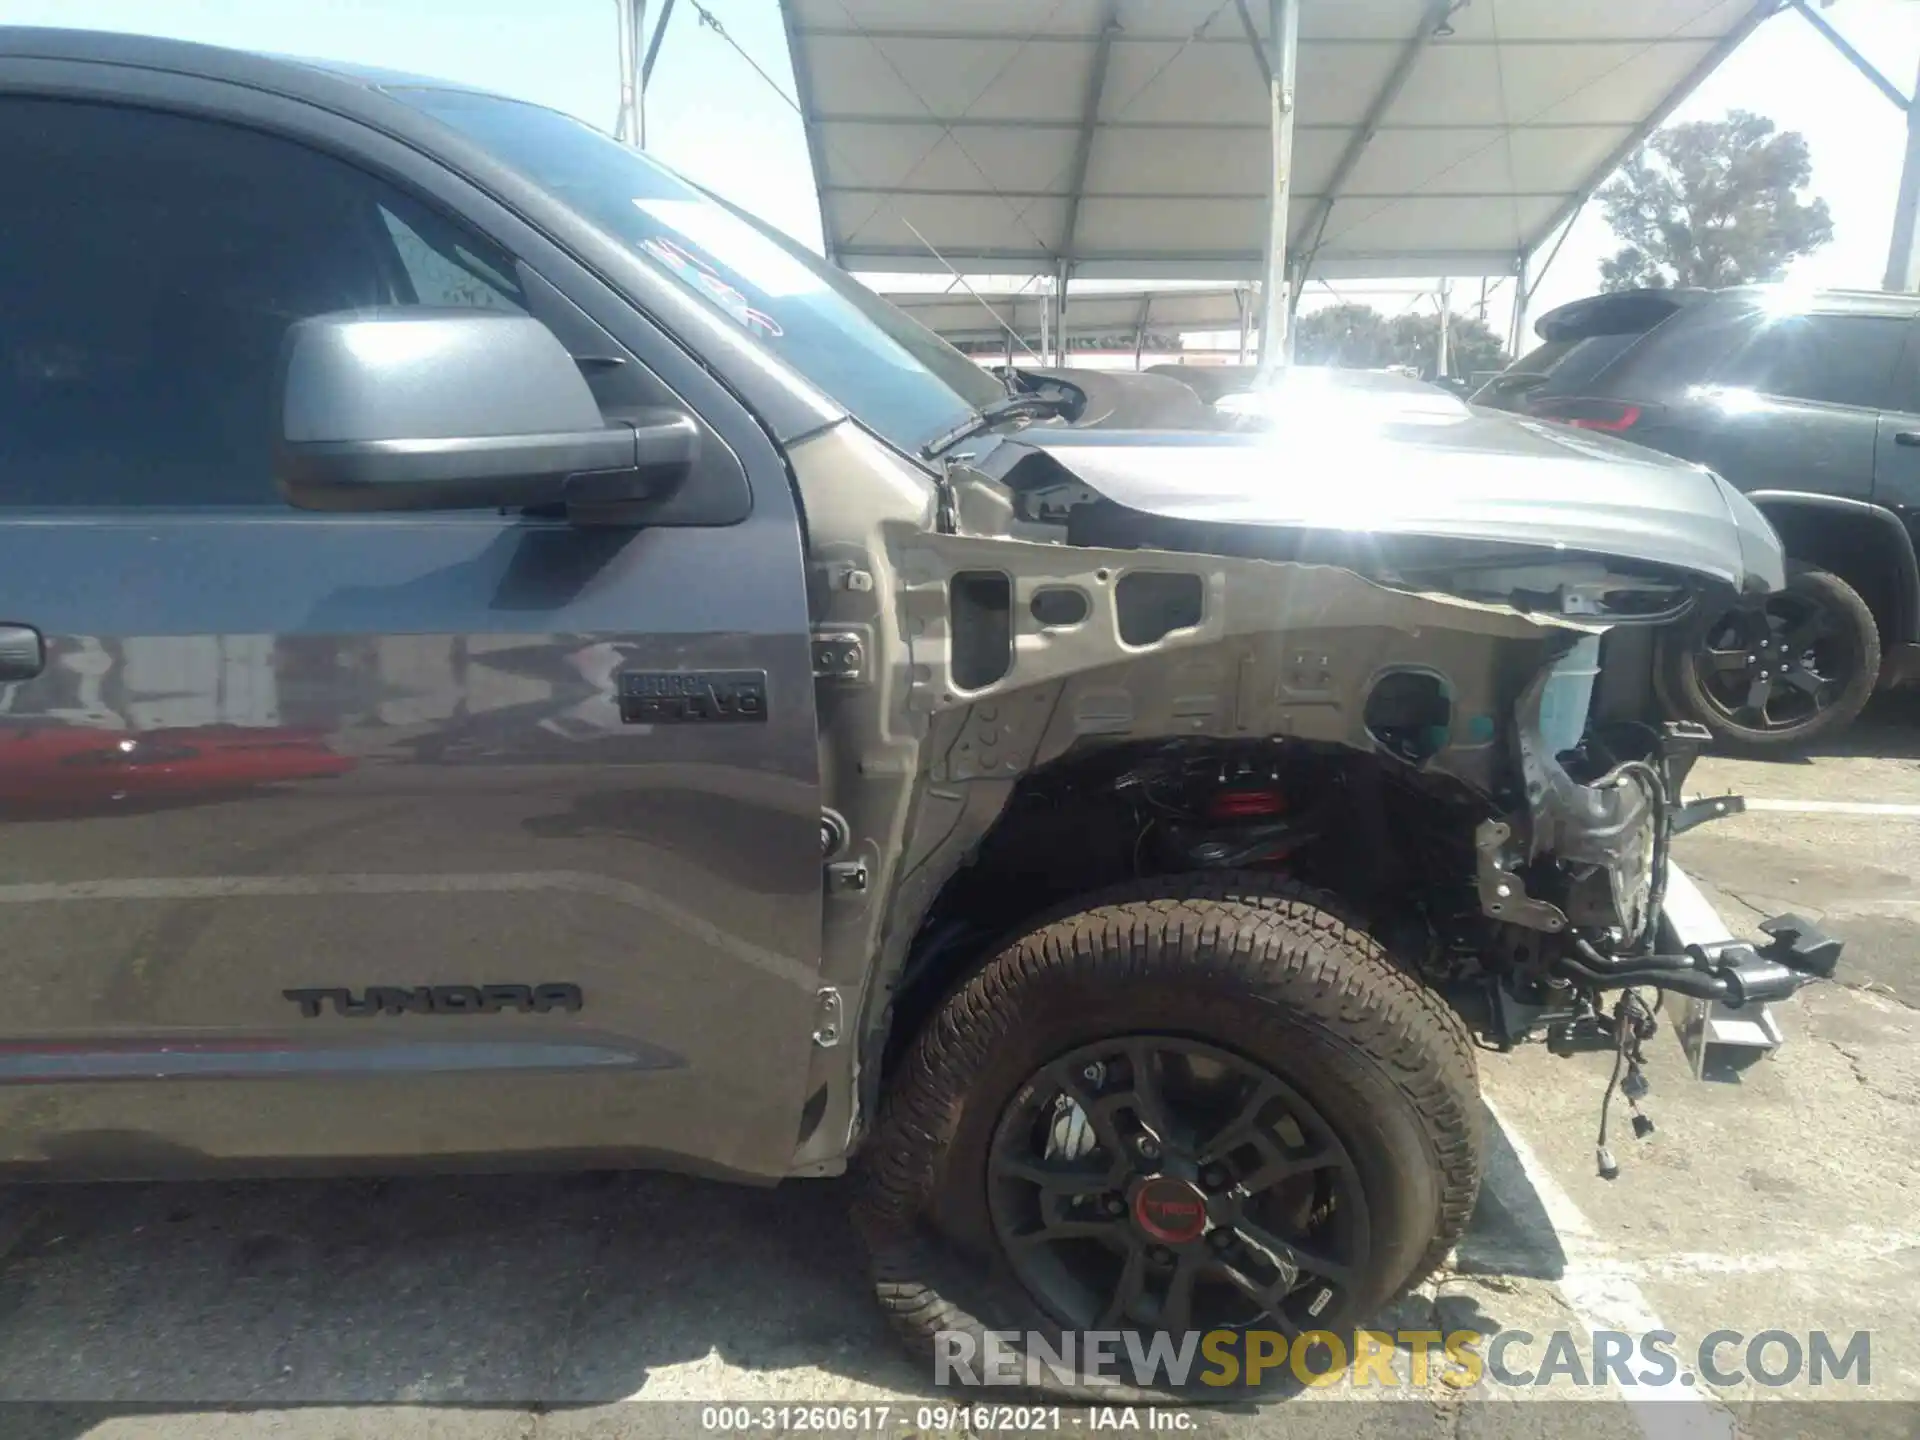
(1600, 1295)
(1867, 1252)
(1834, 807)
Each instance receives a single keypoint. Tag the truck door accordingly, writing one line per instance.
(328, 838)
(1795, 404)
(1896, 472)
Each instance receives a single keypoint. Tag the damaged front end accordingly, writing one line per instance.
(1589, 877)
(1584, 901)
(1418, 492)
(1087, 662)
(1586, 898)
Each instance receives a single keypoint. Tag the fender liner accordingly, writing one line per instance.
(1906, 596)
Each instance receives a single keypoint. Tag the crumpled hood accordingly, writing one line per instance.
(1421, 463)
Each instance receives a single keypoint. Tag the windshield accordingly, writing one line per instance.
(890, 372)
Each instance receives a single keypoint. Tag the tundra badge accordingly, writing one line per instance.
(439, 1000)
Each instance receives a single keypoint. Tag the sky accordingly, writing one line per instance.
(710, 116)
(1856, 136)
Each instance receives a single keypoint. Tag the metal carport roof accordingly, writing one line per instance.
(1130, 138)
(986, 315)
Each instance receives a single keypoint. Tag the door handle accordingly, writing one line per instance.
(1909, 438)
(23, 654)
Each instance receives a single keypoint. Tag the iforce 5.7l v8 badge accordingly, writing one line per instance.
(691, 697)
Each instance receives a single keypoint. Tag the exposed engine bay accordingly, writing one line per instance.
(1529, 942)
(1557, 900)
(1417, 684)
(1530, 938)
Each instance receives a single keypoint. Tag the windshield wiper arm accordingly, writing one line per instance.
(1022, 406)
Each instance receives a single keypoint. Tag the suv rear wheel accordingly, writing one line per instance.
(1199, 1103)
(1782, 672)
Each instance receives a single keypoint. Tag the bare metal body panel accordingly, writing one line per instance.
(921, 767)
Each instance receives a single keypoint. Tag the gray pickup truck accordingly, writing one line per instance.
(505, 661)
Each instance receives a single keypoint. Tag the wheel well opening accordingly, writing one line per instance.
(1858, 551)
(1364, 827)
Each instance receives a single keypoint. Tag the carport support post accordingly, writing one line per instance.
(1520, 298)
(631, 125)
(1061, 275)
(1276, 294)
(1902, 272)
(1903, 265)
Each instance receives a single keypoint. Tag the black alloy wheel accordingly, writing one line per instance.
(1161, 1183)
(1191, 1103)
(1780, 672)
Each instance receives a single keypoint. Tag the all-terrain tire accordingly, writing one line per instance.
(1254, 964)
(1857, 634)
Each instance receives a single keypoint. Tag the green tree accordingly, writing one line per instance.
(1471, 344)
(1713, 202)
(1359, 337)
(1351, 336)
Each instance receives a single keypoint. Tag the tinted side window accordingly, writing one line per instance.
(1836, 359)
(150, 265)
(443, 268)
(1583, 360)
(1685, 350)
(1556, 367)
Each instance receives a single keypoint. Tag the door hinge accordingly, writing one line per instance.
(839, 655)
(827, 1014)
(847, 877)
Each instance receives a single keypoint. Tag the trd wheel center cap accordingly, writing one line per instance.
(1170, 1210)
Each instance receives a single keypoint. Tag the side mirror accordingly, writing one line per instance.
(405, 408)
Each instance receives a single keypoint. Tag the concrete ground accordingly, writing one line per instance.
(587, 1306)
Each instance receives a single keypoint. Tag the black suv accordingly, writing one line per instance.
(1809, 402)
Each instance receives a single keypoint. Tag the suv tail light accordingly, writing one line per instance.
(1246, 804)
(1610, 415)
